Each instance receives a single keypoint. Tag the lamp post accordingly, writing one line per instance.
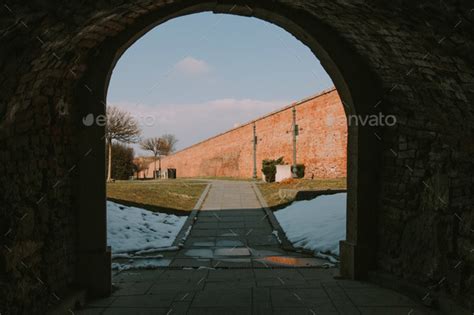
(295, 133)
(254, 151)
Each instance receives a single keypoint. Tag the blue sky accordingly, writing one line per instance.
(202, 74)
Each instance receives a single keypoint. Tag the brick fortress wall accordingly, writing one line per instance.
(321, 143)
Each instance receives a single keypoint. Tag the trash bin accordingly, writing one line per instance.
(171, 173)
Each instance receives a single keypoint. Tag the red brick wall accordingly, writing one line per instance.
(321, 144)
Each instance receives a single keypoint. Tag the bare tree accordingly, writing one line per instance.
(140, 165)
(155, 145)
(159, 146)
(121, 127)
(170, 144)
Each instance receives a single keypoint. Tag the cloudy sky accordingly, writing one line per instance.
(202, 74)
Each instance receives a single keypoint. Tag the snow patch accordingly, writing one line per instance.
(141, 264)
(317, 225)
(131, 229)
(156, 250)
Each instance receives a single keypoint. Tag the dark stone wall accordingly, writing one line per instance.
(37, 217)
(418, 52)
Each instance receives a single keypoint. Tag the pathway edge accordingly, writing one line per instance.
(285, 243)
(180, 238)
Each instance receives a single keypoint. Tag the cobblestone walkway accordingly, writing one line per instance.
(232, 263)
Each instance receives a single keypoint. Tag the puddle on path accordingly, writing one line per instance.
(292, 261)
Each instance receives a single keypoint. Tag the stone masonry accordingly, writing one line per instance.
(410, 186)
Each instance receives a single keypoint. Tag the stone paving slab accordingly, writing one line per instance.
(142, 301)
(377, 297)
(224, 275)
(219, 311)
(240, 284)
(138, 276)
(232, 264)
(223, 297)
(91, 310)
(191, 262)
(139, 288)
(393, 310)
(250, 291)
(340, 299)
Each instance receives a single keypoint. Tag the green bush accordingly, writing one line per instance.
(269, 168)
(300, 170)
(122, 161)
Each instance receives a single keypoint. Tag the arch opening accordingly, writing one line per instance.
(353, 83)
(408, 60)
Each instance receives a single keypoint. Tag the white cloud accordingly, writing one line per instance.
(195, 122)
(192, 66)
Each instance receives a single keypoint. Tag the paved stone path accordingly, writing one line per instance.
(232, 230)
(231, 263)
(231, 195)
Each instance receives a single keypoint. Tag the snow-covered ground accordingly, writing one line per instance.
(131, 229)
(317, 225)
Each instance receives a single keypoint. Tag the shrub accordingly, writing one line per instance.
(269, 168)
(300, 170)
(122, 161)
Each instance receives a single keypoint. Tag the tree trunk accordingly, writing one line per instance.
(109, 168)
(154, 169)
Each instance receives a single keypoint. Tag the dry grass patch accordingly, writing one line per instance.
(246, 179)
(272, 194)
(169, 196)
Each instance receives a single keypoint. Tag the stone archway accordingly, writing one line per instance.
(410, 185)
(358, 93)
